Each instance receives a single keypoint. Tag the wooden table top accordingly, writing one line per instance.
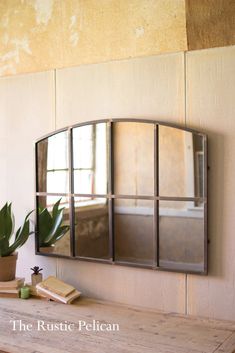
(140, 331)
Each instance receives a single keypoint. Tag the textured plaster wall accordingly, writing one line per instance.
(37, 35)
(210, 23)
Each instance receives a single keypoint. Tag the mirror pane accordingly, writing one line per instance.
(133, 158)
(90, 159)
(181, 236)
(91, 227)
(52, 160)
(181, 163)
(53, 235)
(134, 231)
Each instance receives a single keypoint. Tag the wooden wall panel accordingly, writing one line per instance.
(27, 110)
(211, 108)
(151, 88)
(140, 88)
(137, 287)
(3, 143)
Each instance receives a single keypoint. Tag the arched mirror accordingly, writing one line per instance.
(127, 192)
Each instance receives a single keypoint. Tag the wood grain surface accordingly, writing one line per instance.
(140, 331)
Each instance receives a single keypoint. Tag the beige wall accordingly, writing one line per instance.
(26, 110)
(211, 108)
(152, 88)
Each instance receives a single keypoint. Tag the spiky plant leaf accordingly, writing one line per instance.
(17, 233)
(55, 209)
(7, 228)
(56, 224)
(4, 246)
(44, 223)
(22, 235)
(58, 235)
(24, 228)
(36, 270)
(50, 225)
(6, 223)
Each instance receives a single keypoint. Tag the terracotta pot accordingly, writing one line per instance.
(8, 267)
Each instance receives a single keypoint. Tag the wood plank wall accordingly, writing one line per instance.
(196, 89)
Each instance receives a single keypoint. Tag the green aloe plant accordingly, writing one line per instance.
(7, 246)
(50, 228)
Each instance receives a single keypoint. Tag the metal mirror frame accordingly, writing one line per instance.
(111, 196)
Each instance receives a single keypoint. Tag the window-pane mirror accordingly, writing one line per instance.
(53, 165)
(181, 163)
(90, 159)
(181, 236)
(53, 228)
(134, 231)
(133, 158)
(91, 217)
(130, 193)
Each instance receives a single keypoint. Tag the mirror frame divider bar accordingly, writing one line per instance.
(71, 189)
(111, 191)
(206, 240)
(156, 190)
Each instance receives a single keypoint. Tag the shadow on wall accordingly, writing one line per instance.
(216, 202)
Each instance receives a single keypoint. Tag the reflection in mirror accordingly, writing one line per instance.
(53, 230)
(181, 236)
(91, 227)
(134, 231)
(133, 158)
(90, 159)
(52, 161)
(181, 163)
(120, 169)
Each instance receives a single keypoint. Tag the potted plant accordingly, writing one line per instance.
(36, 276)
(8, 246)
(50, 228)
